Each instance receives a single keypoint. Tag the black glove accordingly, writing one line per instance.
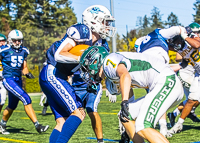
(184, 63)
(189, 30)
(1, 78)
(124, 111)
(29, 75)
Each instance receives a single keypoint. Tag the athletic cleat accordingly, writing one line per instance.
(171, 118)
(124, 138)
(177, 128)
(44, 110)
(165, 132)
(3, 130)
(193, 117)
(41, 129)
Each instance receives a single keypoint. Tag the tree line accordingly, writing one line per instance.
(43, 22)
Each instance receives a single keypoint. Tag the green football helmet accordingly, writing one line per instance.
(195, 27)
(90, 63)
(2, 37)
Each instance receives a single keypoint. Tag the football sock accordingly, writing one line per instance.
(100, 141)
(3, 123)
(162, 121)
(176, 112)
(36, 123)
(54, 136)
(180, 120)
(68, 129)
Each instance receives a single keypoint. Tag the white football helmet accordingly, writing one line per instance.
(99, 20)
(15, 35)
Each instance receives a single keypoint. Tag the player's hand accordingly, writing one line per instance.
(188, 30)
(124, 114)
(112, 98)
(1, 78)
(184, 33)
(29, 75)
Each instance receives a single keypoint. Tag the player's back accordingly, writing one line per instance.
(143, 69)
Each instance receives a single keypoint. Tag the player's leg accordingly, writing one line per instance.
(163, 127)
(2, 95)
(62, 98)
(150, 133)
(46, 104)
(130, 130)
(42, 98)
(92, 101)
(193, 101)
(167, 93)
(14, 86)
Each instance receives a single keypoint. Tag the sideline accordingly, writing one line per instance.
(13, 140)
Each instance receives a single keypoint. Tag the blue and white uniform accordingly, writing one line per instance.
(12, 62)
(61, 96)
(155, 42)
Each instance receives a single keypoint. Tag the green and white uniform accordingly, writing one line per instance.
(165, 88)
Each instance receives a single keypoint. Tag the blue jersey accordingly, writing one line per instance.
(153, 39)
(12, 60)
(81, 34)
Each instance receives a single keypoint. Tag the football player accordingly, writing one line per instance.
(155, 43)
(66, 100)
(137, 70)
(190, 79)
(14, 60)
(3, 40)
(158, 47)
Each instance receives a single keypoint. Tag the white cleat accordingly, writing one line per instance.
(3, 130)
(177, 128)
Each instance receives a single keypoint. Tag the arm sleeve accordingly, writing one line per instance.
(170, 32)
(64, 59)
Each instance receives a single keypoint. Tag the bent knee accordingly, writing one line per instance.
(80, 112)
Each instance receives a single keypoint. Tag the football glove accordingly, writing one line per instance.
(112, 98)
(29, 75)
(124, 114)
(1, 78)
(184, 63)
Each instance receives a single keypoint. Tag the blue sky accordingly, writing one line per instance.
(127, 11)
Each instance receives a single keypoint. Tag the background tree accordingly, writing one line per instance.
(156, 18)
(172, 20)
(197, 10)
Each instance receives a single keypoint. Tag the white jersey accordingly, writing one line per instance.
(143, 69)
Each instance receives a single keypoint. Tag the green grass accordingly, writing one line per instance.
(22, 130)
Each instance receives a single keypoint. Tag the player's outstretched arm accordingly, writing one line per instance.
(25, 71)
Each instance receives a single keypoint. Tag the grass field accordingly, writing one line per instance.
(23, 131)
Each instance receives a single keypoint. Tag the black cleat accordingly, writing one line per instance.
(171, 118)
(41, 129)
(193, 117)
(44, 110)
(124, 138)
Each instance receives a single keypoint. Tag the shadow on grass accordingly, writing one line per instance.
(47, 114)
(188, 127)
(18, 130)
